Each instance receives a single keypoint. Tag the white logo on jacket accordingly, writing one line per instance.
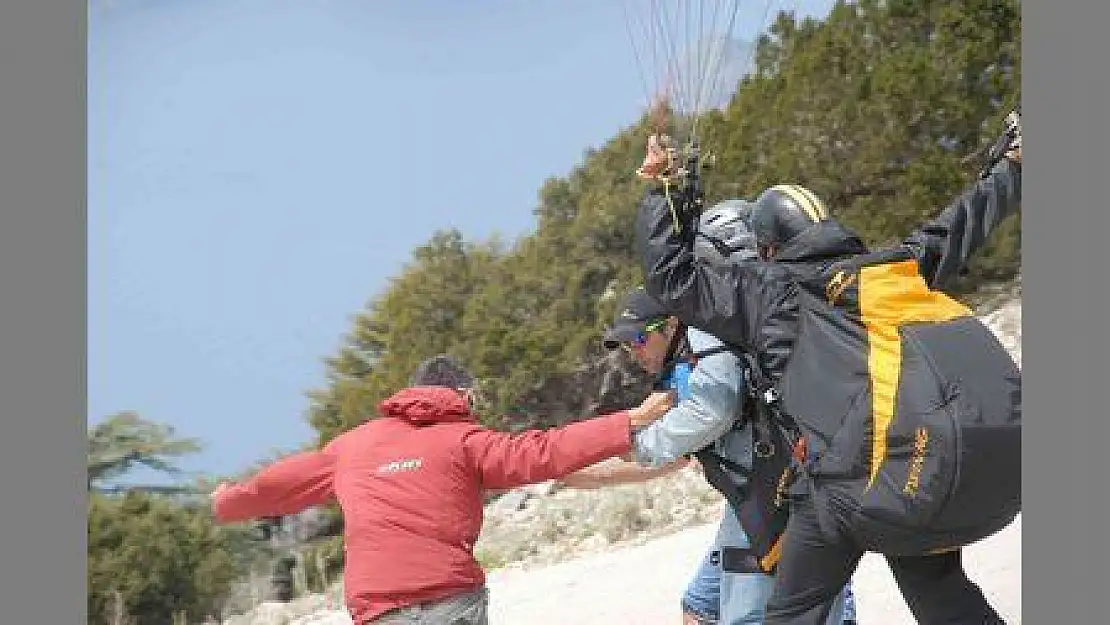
(397, 466)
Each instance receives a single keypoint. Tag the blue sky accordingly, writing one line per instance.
(257, 169)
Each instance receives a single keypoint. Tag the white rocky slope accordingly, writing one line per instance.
(624, 554)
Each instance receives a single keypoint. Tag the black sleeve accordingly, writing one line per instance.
(944, 245)
(723, 300)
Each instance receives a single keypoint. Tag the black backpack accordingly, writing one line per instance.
(910, 405)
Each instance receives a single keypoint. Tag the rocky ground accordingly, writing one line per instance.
(623, 554)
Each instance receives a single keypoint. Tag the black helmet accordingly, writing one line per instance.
(724, 232)
(784, 211)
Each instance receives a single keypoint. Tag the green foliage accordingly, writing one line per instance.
(154, 552)
(323, 563)
(125, 441)
(163, 558)
(878, 108)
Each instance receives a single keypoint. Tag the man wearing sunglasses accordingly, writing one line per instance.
(707, 421)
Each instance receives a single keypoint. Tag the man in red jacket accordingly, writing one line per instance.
(411, 488)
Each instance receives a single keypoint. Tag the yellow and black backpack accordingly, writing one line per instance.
(910, 407)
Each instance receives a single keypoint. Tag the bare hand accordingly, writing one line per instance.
(223, 486)
(1015, 155)
(654, 406)
(659, 158)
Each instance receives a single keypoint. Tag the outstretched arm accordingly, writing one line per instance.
(944, 245)
(285, 487)
(616, 472)
(509, 460)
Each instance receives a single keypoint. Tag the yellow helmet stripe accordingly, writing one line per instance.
(822, 210)
(809, 204)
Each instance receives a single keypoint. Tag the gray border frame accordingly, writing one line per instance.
(42, 338)
(1065, 108)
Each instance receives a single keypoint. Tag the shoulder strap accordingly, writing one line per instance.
(754, 382)
(708, 453)
(878, 257)
(677, 346)
(767, 409)
(765, 404)
(720, 349)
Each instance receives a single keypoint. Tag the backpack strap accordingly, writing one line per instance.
(762, 410)
(857, 262)
(675, 350)
(766, 405)
(709, 352)
(731, 465)
(769, 402)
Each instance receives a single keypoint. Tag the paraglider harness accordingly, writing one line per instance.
(756, 493)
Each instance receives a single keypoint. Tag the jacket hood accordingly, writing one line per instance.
(825, 240)
(424, 405)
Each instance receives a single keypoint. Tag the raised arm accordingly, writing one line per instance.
(944, 245)
(723, 299)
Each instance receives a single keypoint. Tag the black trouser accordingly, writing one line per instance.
(815, 566)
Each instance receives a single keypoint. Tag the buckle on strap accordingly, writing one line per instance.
(737, 560)
(770, 396)
(763, 449)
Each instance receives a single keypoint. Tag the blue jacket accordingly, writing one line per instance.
(710, 399)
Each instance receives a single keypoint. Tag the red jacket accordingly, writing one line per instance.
(410, 485)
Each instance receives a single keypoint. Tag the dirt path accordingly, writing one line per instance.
(640, 585)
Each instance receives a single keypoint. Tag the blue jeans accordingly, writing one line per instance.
(703, 595)
(724, 598)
